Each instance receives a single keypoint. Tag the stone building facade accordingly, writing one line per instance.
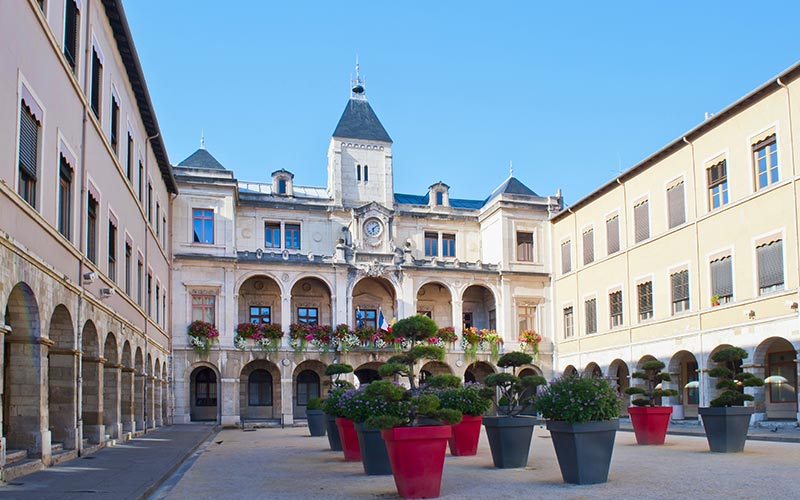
(85, 198)
(284, 253)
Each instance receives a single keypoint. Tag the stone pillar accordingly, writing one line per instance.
(339, 298)
(759, 393)
(62, 396)
(157, 383)
(407, 298)
(458, 317)
(164, 402)
(151, 401)
(127, 402)
(675, 401)
(111, 400)
(138, 401)
(286, 316)
(228, 401)
(287, 392)
(92, 399)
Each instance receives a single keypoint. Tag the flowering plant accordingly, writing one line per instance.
(437, 341)
(360, 404)
(470, 341)
(577, 399)
(470, 399)
(331, 404)
(202, 335)
(494, 340)
(267, 336)
(397, 406)
(529, 339)
(473, 339)
(447, 334)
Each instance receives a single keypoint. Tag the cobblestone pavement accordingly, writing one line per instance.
(287, 463)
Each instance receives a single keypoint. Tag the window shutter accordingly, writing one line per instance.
(680, 286)
(770, 264)
(588, 246)
(612, 234)
(28, 141)
(641, 216)
(71, 32)
(566, 258)
(645, 297)
(675, 199)
(722, 277)
(591, 316)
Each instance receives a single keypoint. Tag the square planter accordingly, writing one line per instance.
(584, 449)
(650, 423)
(510, 440)
(726, 427)
(417, 457)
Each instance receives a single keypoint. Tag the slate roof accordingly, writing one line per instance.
(201, 159)
(359, 121)
(413, 199)
(512, 186)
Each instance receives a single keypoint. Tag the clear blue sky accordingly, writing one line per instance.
(570, 91)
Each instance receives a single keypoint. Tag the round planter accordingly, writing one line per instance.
(726, 428)
(347, 432)
(417, 457)
(374, 456)
(316, 422)
(510, 440)
(334, 441)
(584, 449)
(464, 441)
(650, 423)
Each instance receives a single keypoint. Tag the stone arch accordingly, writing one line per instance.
(61, 386)
(204, 392)
(367, 372)
(435, 300)
(478, 371)
(779, 395)
(433, 368)
(619, 375)
(260, 391)
(111, 387)
(593, 370)
(260, 300)
(685, 374)
(371, 295)
(92, 384)
(570, 371)
(126, 389)
(138, 390)
(312, 302)
(259, 274)
(479, 307)
(307, 382)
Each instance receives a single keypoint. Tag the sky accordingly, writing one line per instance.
(570, 92)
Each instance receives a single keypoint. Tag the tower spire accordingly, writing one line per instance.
(357, 85)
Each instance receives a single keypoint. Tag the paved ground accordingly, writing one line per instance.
(128, 471)
(287, 463)
(769, 432)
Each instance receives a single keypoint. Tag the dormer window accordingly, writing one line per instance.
(282, 183)
(282, 186)
(439, 194)
(439, 198)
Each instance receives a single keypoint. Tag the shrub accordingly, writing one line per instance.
(652, 375)
(403, 364)
(314, 404)
(470, 399)
(404, 408)
(417, 328)
(577, 399)
(336, 370)
(331, 405)
(516, 393)
(360, 404)
(730, 377)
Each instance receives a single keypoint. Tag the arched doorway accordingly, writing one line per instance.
(138, 390)
(683, 370)
(260, 301)
(478, 371)
(111, 387)
(777, 355)
(371, 296)
(91, 388)
(203, 395)
(367, 373)
(593, 370)
(619, 375)
(62, 365)
(23, 377)
(435, 301)
(307, 378)
(259, 391)
(432, 368)
(126, 390)
(479, 308)
(311, 302)
(570, 371)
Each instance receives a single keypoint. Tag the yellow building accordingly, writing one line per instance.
(692, 249)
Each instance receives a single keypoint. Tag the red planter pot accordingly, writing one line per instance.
(650, 423)
(464, 441)
(347, 431)
(417, 457)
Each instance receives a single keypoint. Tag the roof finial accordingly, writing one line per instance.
(510, 168)
(202, 139)
(357, 85)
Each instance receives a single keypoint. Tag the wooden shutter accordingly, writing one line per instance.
(645, 297)
(677, 210)
(680, 286)
(71, 33)
(612, 235)
(97, 68)
(641, 217)
(588, 246)
(770, 264)
(566, 258)
(591, 316)
(28, 141)
(722, 277)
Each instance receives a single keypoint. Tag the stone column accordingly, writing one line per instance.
(127, 391)
(458, 316)
(287, 392)
(228, 401)
(407, 298)
(92, 399)
(151, 404)
(158, 414)
(138, 401)
(62, 396)
(112, 400)
(759, 393)
(286, 316)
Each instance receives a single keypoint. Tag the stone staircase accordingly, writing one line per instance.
(18, 464)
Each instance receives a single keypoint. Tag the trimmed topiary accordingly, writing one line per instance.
(730, 377)
(653, 376)
(516, 393)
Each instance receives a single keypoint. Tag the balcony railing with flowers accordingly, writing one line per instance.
(202, 335)
(265, 336)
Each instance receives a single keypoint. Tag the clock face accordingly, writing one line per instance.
(373, 227)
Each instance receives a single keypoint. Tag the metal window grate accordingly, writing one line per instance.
(645, 292)
(591, 316)
(28, 141)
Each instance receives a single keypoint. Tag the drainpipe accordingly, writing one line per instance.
(631, 290)
(577, 280)
(170, 357)
(794, 172)
(701, 361)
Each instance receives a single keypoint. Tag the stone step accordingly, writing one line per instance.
(13, 456)
(21, 468)
(63, 456)
(56, 448)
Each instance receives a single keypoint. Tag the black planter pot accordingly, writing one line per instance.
(509, 440)
(584, 449)
(334, 440)
(316, 422)
(374, 456)
(726, 428)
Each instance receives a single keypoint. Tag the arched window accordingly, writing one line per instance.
(358, 172)
(366, 173)
(423, 376)
(259, 388)
(205, 388)
(469, 376)
(367, 375)
(307, 387)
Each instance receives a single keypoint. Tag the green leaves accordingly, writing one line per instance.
(415, 328)
(578, 399)
(338, 369)
(652, 376)
(731, 380)
(514, 359)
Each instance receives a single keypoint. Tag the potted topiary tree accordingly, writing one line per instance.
(316, 417)
(727, 420)
(509, 433)
(650, 421)
(582, 417)
(472, 400)
(415, 329)
(335, 371)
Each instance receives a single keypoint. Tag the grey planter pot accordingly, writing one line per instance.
(726, 428)
(510, 440)
(316, 422)
(374, 456)
(584, 449)
(334, 440)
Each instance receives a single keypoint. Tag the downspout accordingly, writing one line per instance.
(148, 292)
(794, 172)
(627, 272)
(701, 361)
(577, 280)
(170, 357)
(82, 240)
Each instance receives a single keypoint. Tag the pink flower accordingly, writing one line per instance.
(309, 337)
